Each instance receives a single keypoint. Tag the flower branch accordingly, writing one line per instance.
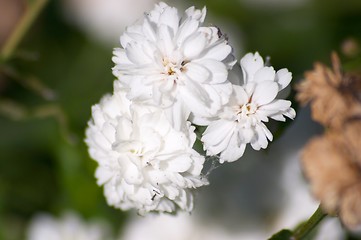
(23, 26)
(303, 231)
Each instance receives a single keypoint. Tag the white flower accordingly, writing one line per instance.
(241, 120)
(174, 62)
(144, 163)
(69, 227)
(180, 227)
(104, 20)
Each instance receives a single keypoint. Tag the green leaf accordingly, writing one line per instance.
(284, 234)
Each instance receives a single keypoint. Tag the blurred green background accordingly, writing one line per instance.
(59, 71)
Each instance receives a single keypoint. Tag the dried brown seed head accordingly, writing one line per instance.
(326, 164)
(352, 139)
(334, 96)
(350, 208)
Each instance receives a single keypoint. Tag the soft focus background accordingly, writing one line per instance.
(63, 66)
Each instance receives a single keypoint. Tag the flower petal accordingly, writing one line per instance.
(136, 54)
(197, 72)
(217, 69)
(187, 28)
(165, 40)
(234, 151)
(170, 18)
(265, 92)
(217, 136)
(283, 78)
(274, 107)
(218, 52)
(132, 174)
(179, 164)
(194, 45)
(264, 74)
(250, 64)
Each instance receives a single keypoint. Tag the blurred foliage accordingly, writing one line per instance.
(47, 89)
(57, 73)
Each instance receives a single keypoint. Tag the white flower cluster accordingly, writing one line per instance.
(144, 163)
(182, 226)
(69, 227)
(172, 72)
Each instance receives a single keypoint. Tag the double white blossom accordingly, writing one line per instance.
(144, 163)
(241, 120)
(173, 61)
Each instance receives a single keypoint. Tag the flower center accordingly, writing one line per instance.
(137, 150)
(170, 68)
(249, 109)
(246, 110)
(141, 153)
(173, 68)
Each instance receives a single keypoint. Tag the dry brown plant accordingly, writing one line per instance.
(334, 96)
(332, 162)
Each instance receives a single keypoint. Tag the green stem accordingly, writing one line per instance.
(22, 27)
(311, 223)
